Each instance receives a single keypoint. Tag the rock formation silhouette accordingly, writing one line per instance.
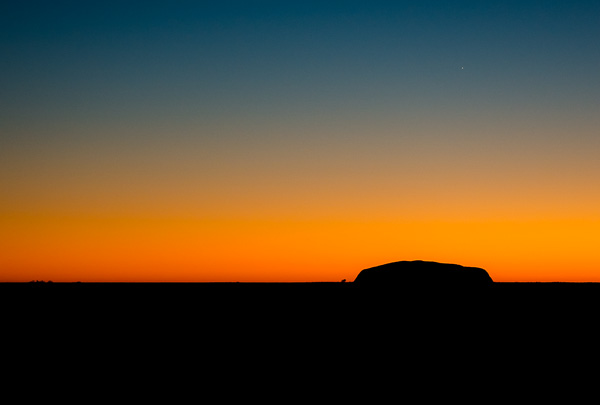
(422, 274)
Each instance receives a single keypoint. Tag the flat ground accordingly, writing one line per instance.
(318, 300)
(300, 338)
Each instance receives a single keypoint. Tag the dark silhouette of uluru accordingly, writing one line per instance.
(422, 274)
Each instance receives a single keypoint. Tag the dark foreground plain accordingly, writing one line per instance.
(333, 308)
(326, 300)
(302, 341)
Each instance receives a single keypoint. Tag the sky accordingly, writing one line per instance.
(298, 140)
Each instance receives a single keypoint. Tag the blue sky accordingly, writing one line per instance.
(149, 56)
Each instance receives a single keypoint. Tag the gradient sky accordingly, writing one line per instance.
(298, 140)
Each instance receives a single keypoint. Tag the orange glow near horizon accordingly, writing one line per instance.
(318, 212)
(153, 249)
